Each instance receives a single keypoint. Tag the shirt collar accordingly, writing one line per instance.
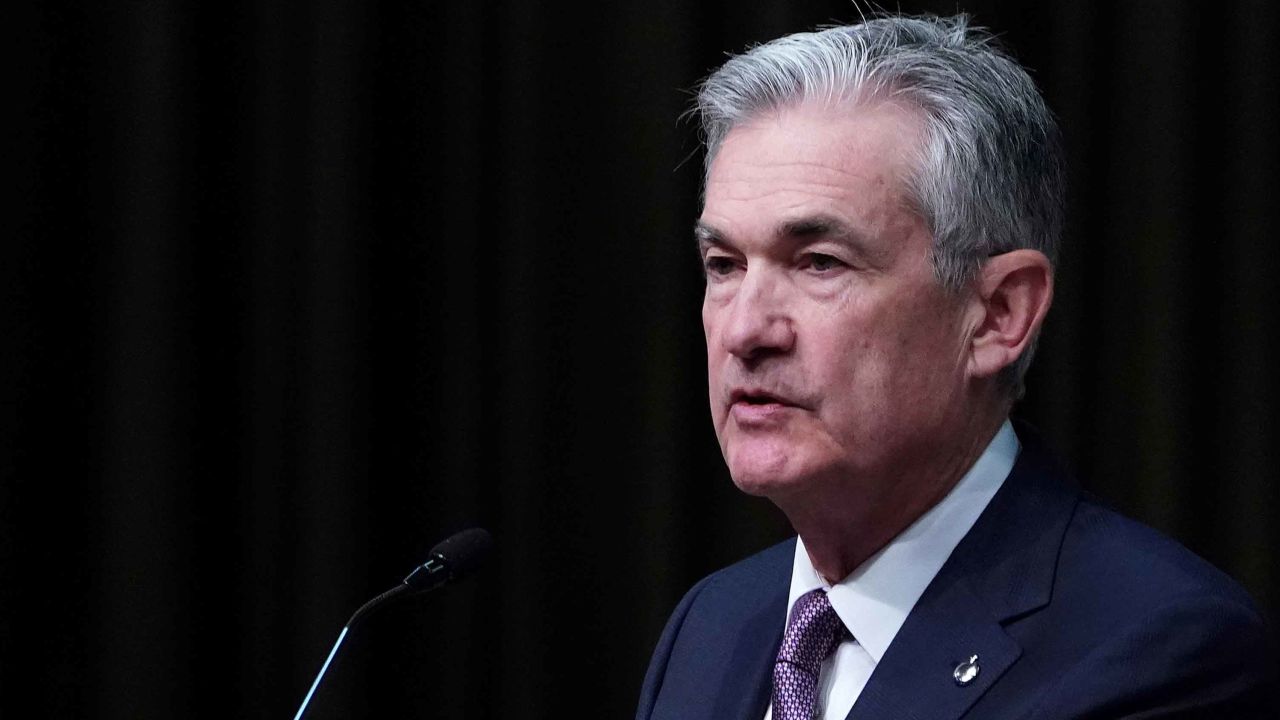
(874, 600)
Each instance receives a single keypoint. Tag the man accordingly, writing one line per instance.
(882, 208)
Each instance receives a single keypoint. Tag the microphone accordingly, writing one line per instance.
(451, 559)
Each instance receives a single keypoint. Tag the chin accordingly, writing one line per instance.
(764, 472)
(769, 466)
(753, 484)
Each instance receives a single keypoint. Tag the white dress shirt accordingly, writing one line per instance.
(874, 600)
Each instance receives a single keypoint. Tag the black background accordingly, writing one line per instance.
(294, 290)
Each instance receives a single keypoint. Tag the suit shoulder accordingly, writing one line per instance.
(749, 572)
(1130, 559)
(747, 582)
(1135, 624)
(726, 624)
(1139, 624)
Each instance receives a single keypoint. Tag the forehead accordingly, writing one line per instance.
(850, 162)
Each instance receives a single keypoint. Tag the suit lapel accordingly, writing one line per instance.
(914, 679)
(1003, 568)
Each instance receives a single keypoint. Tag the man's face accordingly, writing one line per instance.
(833, 354)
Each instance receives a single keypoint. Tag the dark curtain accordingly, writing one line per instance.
(294, 290)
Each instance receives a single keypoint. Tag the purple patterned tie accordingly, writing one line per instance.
(812, 634)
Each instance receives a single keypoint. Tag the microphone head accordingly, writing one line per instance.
(463, 552)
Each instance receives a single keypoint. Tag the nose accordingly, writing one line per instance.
(758, 322)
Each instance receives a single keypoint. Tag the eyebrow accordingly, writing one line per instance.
(804, 228)
(819, 226)
(704, 234)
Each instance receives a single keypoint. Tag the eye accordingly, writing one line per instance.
(822, 263)
(718, 265)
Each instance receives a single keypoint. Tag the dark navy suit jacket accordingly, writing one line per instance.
(1073, 611)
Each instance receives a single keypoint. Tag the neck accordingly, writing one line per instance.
(843, 523)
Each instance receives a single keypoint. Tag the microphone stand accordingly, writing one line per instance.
(449, 561)
(356, 616)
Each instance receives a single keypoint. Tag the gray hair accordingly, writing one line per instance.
(990, 176)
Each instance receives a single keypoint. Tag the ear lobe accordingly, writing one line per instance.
(1014, 292)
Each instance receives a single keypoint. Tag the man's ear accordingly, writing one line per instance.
(1014, 291)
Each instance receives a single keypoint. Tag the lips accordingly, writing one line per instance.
(751, 396)
(752, 407)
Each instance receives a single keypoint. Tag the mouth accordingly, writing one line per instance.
(758, 397)
(759, 410)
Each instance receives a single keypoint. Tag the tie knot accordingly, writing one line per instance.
(812, 633)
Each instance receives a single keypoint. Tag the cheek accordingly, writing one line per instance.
(714, 319)
(709, 324)
(715, 362)
(924, 352)
(882, 359)
(712, 342)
